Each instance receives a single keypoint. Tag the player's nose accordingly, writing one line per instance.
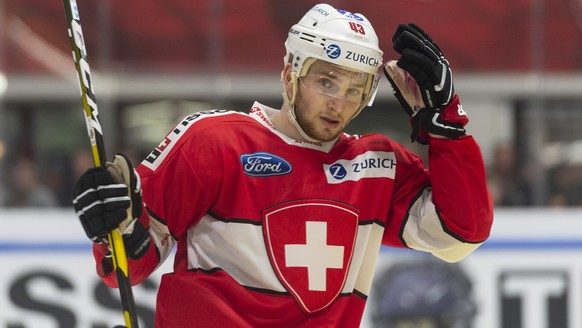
(336, 104)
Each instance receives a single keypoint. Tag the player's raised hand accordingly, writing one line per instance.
(424, 60)
(405, 88)
(107, 198)
(423, 84)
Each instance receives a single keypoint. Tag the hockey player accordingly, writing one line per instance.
(277, 215)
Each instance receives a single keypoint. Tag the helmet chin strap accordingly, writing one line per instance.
(291, 115)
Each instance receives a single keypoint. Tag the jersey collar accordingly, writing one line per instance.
(263, 114)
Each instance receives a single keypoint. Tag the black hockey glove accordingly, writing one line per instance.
(424, 60)
(107, 198)
(425, 66)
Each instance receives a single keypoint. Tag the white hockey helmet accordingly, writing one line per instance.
(338, 37)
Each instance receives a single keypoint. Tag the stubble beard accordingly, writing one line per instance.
(310, 127)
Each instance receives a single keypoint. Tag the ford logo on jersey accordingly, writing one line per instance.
(264, 165)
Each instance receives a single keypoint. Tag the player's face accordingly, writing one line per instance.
(328, 96)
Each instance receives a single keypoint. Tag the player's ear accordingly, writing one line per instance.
(286, 75)
(286, 78)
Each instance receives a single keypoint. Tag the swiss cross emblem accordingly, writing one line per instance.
(310, 245)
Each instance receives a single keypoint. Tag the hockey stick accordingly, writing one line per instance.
(97, 145)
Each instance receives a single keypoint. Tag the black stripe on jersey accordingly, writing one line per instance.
(316, 199)
(405, 220)
(235, 220)
(211, 271)
(162, 221)
(452, 234)
(249, 221)
(155, 216)
(359, 294)
(372, 221)
(273, 292)
(266, 291)
(255, 289)
(445, 229)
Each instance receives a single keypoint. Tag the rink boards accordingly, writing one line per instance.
(529, 274)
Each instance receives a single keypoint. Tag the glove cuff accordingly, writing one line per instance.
(419, 133)
(449, 122)
(454, 113)
(138, 242)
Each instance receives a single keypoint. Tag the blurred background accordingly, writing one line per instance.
(517, 66)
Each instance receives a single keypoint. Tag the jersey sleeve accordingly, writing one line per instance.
(409, 183)
(452, 213)
(178, 188)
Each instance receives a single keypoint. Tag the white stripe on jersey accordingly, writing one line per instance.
(423, 231)
(368, 244)
(162, 239)
(239, 249)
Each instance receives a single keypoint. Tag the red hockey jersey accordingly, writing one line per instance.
(273, 232)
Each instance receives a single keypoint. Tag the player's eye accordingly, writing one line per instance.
(354, 92)
(326, 83)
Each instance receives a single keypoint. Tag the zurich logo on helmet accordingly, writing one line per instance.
(333, 51)
(350, 15)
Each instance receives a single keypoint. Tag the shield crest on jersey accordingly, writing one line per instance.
(310, 245)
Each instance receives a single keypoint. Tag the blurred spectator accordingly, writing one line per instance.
(506, 184)
(23, 187)
(56, 175)
(566, 186)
